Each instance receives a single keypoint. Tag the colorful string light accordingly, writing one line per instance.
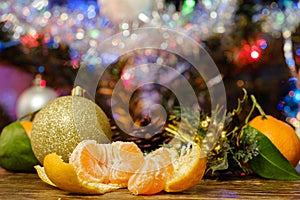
(82, 27)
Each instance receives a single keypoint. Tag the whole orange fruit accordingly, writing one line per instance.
(281, 134)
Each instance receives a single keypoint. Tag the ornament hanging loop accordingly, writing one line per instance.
(78, 91)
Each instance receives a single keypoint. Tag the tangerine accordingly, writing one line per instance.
(99, 168)
(188, 170)
(169, 170)
(127, 158)
(91, 161)
(64, 176)
(27, 125)
(106, 163)
(152, 176)
(281, 134)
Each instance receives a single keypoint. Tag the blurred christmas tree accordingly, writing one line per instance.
(248, 57)
(38, 55)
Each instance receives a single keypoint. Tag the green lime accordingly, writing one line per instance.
(15, 149)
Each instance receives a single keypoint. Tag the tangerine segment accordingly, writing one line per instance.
(281, 134)
(152, 176)
(63, 175)
(188, 170)
(91, 161)
(125, 150)
(127, 158)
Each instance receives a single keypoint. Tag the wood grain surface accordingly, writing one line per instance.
(29, 186)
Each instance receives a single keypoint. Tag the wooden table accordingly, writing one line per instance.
(28, 186)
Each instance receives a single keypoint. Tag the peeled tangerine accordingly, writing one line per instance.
(99, 168)
(165, 170)
(64, 122)
(63, 175)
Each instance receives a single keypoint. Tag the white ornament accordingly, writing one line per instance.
(34, 98)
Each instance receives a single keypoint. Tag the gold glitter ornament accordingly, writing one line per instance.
(64, 122)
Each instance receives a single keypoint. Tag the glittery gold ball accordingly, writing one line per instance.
(64, 122)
